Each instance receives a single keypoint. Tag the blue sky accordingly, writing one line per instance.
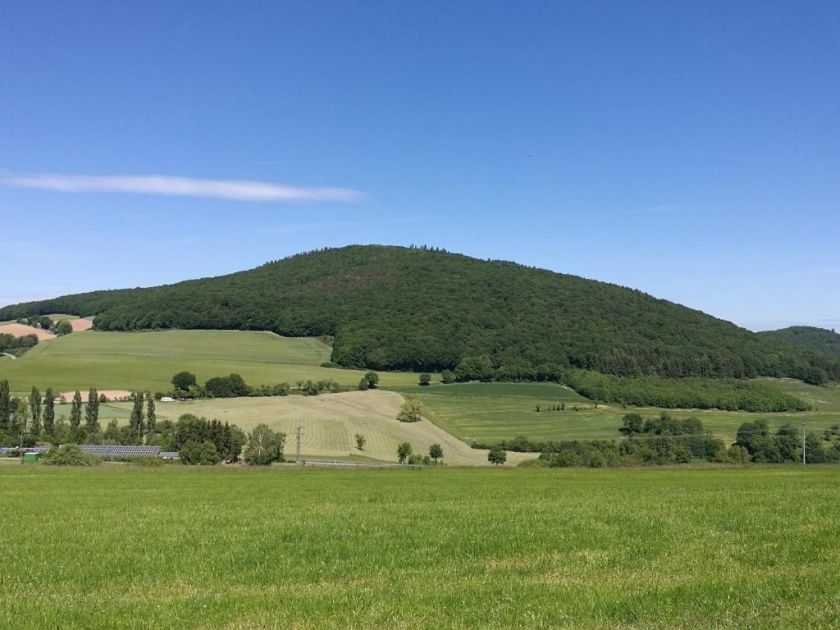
(688, 149)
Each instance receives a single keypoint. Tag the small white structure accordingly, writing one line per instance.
(167, 399)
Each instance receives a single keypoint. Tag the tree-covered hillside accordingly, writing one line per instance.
(808, 337)
(417, 308)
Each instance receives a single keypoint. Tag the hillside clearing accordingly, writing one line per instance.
(143, 361)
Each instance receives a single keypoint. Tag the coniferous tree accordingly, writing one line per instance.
(92, 411)
(76, 411)
(135, 423)
(151, 417)
(49, 411)
(5, 406)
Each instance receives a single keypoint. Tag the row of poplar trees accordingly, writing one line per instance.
(36, 417)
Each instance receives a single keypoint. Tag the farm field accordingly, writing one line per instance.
(121, 546)
(330, 423)
(147, 360)
(489, 412)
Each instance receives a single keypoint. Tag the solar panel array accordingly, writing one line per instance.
(120, 450)
(28, 449)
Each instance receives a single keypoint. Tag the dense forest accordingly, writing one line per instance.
(808, 337)
(423, 309)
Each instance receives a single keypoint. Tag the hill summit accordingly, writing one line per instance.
(423, 309)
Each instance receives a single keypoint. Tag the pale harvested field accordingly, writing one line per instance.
(21, 330)
(81, 324)
(330, 422)
(110, 394)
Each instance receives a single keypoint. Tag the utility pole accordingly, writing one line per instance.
(803, 443)
(298, 432)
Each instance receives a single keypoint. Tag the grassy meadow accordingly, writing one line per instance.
(126, 547)
(490, 412)
(147, 360)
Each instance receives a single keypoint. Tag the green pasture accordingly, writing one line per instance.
(125, 547)
(490, 412)
(147, 360)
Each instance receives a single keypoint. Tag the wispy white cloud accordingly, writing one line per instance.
(239, 190)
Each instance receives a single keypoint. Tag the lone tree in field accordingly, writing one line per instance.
(35, 410)
(425, 379)
(5, 407)
(447, 376)
(435, 452)
(49, 411)
(151, 416)
(135, 422)
(404, 451)
(182, 381)
(497, 456)
(76, 411)
(63, 328)
(360, 441)
(372, 379)
(264, 446)
(92, 412)
(411, 411)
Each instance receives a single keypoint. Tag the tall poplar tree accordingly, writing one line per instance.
(35, 410)
(49, 411)
(92, 411)
(5, 407)
(151, 417)
(76, 411)
(135, 423)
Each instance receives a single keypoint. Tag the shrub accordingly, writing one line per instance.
(447, 376)
(200, 453)
(497, 456)
(69, 455)
(411, 411)
(183, 381)
(404, 451)
(372, 379)
(425, 379)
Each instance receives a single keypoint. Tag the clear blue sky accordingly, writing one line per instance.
(688, 149)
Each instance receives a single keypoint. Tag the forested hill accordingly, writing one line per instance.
(809, 337)
(416, 308)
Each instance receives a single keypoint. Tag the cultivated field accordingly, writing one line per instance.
(22, 330)
(124, 547)
(490, 412)
(147, 360)
(330, 423)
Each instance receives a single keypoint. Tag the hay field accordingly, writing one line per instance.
(330, 423)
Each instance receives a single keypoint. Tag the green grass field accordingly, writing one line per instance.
(490, 412)
(126, 547)
(147, 360)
